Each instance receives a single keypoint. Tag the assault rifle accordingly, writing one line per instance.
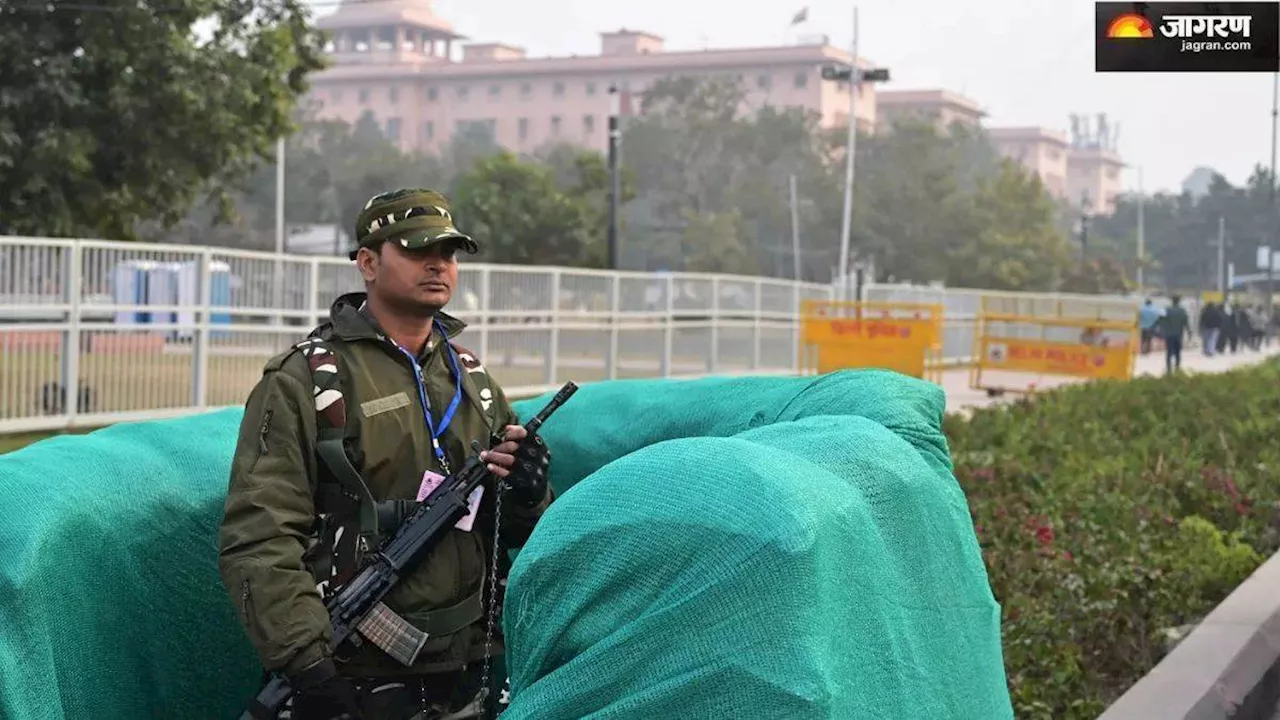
(357, 608)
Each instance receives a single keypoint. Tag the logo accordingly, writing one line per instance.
(1187, 37)
(1130, 25)
(997, 353)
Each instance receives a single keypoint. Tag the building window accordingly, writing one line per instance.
(364, 96)
(428, 131)
(588, 124)
(763, 82)
(522, 128)
(591, 88)
(393, 129)
(495, 90)
(557, 89)
(526, 90)
(432, 94)
(463, 92)
(555, 126)
(1112, 174)
(485, 130)
(393, 94)
(1054, 155)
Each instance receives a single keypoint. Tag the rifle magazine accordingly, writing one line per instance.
(393, 634)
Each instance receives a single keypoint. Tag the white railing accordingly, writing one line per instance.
(163, 330)
(94, 332)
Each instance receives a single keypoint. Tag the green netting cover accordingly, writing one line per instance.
(111, 606)
(110, 602)
(819, 565)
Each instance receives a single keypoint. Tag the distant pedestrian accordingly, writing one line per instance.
(1174, 326)
(1210, 326)
(1148, 316)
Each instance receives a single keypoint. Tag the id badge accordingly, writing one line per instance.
(473, 509)
(430, 481)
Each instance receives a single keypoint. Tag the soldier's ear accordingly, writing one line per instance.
(367, 263)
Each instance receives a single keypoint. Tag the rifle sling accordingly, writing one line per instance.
(329, 447)
(447, 621)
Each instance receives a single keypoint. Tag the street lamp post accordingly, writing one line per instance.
(853, 75)
(615, 184)
(1086, 214)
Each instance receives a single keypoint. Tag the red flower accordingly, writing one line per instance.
(1045, 535)
(1066, 555)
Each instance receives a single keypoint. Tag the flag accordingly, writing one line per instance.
(800, 17)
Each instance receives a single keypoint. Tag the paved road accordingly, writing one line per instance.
(960, 396)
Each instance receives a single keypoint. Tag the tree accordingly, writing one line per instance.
(1097, 275)
(712, 180)
(518, 215)
(909, 203)
(584, 174)
(1181, 231)
(1009, 240)
(116, 117)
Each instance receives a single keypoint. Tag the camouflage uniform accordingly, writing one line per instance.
(268, 536)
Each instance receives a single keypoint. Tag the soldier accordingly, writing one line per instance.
(341, 434)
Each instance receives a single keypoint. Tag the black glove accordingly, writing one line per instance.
(323, 694)
(528, 478)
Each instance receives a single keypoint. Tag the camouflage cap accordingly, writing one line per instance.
(414, 217)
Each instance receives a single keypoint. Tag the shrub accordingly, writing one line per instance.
(1110, 513)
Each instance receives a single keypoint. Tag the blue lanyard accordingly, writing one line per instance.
(447, 418)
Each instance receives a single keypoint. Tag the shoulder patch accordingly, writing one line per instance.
(471, 363)
(323, 362)
(468, 359)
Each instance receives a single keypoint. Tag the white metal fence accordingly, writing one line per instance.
(94, 332)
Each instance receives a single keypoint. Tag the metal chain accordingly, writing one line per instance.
(492, 600)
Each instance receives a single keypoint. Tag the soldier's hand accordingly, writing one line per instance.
(522, 461)
(502, 457)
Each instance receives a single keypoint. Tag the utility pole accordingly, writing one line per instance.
(615, 183)
(278, 285)
(1142, 238)
(851, 147)
(1275, 235)
(1222, 258)
(1086, 208)
(854, 76)
(795, 228)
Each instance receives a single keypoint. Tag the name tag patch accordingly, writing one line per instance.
(384, 404)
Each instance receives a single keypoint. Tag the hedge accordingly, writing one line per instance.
(1110, 514)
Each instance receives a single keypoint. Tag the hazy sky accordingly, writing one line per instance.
(1027, 62)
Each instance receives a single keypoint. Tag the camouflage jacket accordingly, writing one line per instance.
(270, 506)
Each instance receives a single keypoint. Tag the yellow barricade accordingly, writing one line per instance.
(1100, 346)
(903, 337)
